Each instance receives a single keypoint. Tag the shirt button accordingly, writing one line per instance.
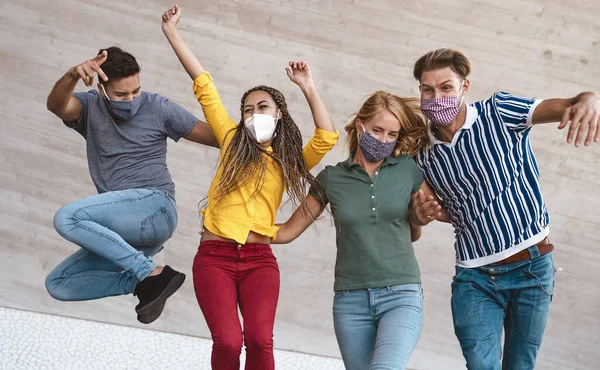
(493, 277)
(376, 173)
(373, 209)
(371, 185)
(372, 197)
(239, 246)
(492, 271)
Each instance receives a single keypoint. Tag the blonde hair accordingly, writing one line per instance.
(442, 58)
(413, 125)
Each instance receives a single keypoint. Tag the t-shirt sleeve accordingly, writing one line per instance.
(178, 121)
(80, 125)
(319, 190)
(515, 112)
(417, 176)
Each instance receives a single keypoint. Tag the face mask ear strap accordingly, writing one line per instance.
(462, 98)
(104, 91)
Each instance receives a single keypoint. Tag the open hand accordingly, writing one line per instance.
(584, 118)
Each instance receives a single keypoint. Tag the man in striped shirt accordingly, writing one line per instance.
(481, 166)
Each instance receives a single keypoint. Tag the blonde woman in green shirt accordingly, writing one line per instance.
(378, 303)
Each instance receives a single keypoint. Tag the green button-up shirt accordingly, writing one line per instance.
(374, 247)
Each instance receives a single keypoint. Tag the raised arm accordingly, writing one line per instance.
(61, 101)
(300, 74)
(170, 19)
(299, 222)
(204, 88)
(582, 111)
(325, 136)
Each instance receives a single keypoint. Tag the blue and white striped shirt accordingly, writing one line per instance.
(488, 178)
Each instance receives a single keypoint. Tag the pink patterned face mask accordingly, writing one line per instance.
(442, 111)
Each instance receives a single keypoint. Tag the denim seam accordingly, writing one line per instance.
(106, 237)
(129, 200)
(150, 219)
(62, 273)
(539, 281)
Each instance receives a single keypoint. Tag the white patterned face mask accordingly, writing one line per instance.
(261, 127)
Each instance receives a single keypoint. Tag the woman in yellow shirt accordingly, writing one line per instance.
(260, 158)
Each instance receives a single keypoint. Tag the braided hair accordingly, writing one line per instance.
(243, 158)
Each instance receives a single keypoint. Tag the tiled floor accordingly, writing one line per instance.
(32, 341)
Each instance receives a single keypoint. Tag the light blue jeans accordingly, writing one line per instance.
(514, 297)
(118, 233)
(378, 328)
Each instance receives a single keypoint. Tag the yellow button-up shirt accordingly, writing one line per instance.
(239, 213)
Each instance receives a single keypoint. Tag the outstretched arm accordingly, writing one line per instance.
(582, 111)
(300, 74)
(299, 222)
(325, 136)
(170, 19)
(204, 88)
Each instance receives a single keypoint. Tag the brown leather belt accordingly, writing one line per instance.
(544, 247)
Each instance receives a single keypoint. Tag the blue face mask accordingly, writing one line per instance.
(373, 149)
(123, 109)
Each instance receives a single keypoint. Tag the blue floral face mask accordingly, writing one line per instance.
(373, 149)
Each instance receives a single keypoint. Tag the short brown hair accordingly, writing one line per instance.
(442, 58)
(118, 64)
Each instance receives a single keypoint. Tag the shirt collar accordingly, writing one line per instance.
(470, 119)
(349, 163)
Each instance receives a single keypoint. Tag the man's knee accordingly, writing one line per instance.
(55, 288)
(66, 218)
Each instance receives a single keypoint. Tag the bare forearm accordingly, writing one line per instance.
(552, 110)
(319, 112)
(415, 232)
(61, 93)
(184, 53)
(300, 221)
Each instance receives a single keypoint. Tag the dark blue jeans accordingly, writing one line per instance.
(514, 297)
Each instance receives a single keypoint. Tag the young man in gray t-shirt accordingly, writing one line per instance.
(134, 214)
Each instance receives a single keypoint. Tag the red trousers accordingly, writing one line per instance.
(227, 275)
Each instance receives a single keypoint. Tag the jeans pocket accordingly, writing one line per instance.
(458, 272)
(409, 289)
(340, 293)
(533, 301)
(157, 228)
(542, 270)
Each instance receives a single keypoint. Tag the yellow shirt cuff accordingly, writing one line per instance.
(202, 80)
(325, 136)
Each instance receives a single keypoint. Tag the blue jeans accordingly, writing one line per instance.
(118, 233)
(378, 328)
(515, 297)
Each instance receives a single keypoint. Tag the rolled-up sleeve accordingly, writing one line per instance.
(214, 112)
(320, 144)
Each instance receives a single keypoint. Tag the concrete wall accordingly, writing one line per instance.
(528, 47)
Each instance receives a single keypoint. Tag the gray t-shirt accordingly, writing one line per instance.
(131, 154)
